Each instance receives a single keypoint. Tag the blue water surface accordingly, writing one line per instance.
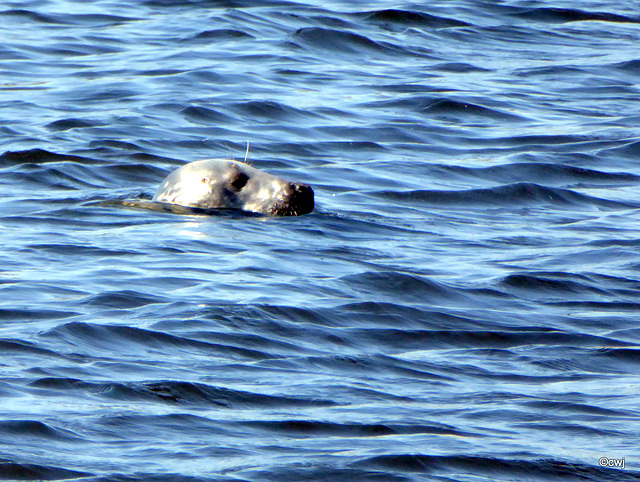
(462, 305)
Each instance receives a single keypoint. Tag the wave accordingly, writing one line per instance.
(16, 471)
(565, 15)
(630, 151)
(72, 123)
(32, 429)
(437, 106)
(68, 172)
(629, 66)
(218, 35)
(511, 195)
(342, 42)
(534, 470)
(410, 18)
(269, 110)
(307, 428)
(40, 156)
(36, 17)
(538, 172)
(132, 340)
(25, 348)
(449, 107)
(403, 285)
(505, 338)
(68, 18)
(553, 282)
(174, 393)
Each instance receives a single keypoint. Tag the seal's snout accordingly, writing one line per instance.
(299, 200)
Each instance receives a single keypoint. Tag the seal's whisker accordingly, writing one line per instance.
(246, 154)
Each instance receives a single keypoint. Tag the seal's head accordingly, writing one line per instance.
(220, 183)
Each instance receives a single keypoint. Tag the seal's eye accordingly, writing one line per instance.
(240, 181)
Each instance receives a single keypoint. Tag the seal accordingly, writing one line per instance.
(222, 183)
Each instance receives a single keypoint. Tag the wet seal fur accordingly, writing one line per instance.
(222, 183)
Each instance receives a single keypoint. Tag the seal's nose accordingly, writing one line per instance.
(301, 196)
(296, 189)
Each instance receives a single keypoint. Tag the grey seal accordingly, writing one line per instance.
(222, 183)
